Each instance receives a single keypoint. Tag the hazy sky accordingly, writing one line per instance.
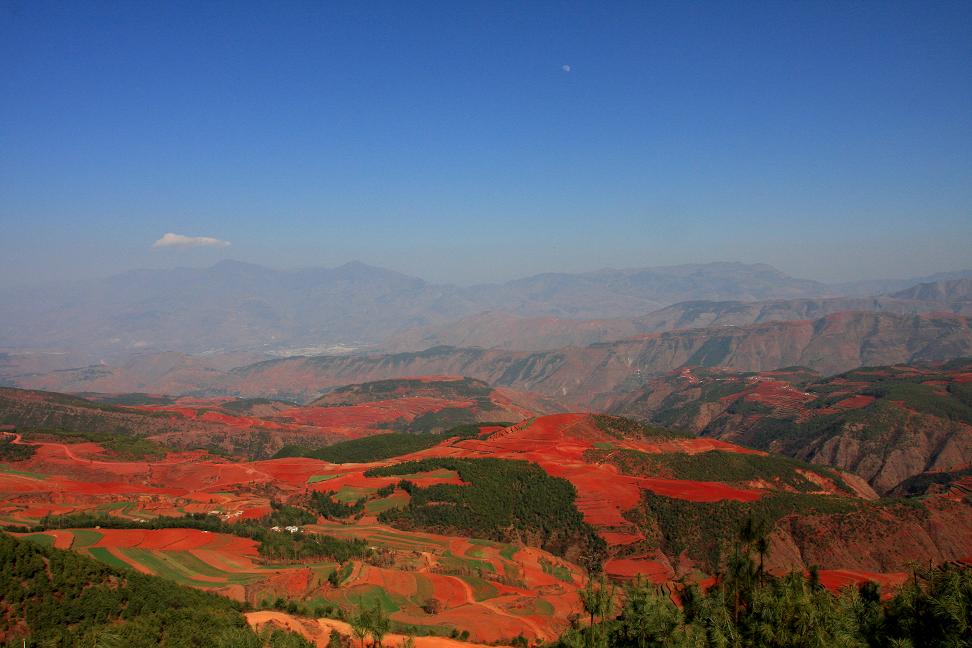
(467, 142)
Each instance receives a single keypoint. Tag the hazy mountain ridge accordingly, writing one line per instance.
(951, 289)
(229, 306)
(884, 286)
(503, 330)
(579, 377)
(235, 306)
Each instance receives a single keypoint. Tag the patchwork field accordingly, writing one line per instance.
(466, 582)
(425, 574)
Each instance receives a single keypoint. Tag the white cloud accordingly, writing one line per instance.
(565, 67)
(179, 240)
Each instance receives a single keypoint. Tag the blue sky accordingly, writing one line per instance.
(448, 140)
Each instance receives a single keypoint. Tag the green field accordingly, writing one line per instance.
(366, 596)
(313, 479)
(85, 538)
(536, 607)
(482, 590)
(183, 567)
(509, 551)
(455, 563)
(423, 590)
(557, 571)
(395, 500)
(351, 494)
(41, 539)
(381, 537)
(104, 555)
(4, 468)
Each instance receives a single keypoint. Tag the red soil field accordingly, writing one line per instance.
(318, 631)
(177, 540)
(487, 430)
(256, 512)
(558, 442)
(774, 393)
(197, 482)
(12, 484)
(856, 402)
(40, 510)
(370, 414)
(629, 568)
(349, 421)
(458, 598)
(687, 446)
(618, 538)
(62, 538)
(200, 414)
(837, 579)
(293, 582)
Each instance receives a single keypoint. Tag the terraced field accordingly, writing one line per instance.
(431, 580)
(186, 556)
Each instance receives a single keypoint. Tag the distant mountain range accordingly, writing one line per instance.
(235, 306)
(506, 330)
(577, 377)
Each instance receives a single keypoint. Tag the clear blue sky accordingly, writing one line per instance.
(448, 140)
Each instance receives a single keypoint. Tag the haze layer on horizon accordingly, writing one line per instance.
(482, 142)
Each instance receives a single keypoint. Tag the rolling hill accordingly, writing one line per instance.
(890, 425)
(258, 427)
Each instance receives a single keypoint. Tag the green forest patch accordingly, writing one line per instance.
(432, 474)
(500, 499)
